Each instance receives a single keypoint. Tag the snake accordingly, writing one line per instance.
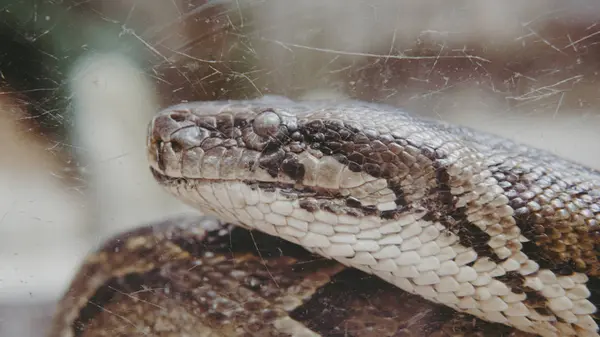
(346, 218)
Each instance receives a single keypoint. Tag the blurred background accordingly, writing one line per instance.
(79, 81)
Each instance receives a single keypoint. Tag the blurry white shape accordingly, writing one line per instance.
(113, 103)
(41, 238)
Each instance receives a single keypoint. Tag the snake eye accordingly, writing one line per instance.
(267, 124)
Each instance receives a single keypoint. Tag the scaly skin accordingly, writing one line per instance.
(194, 276)
(486, 227)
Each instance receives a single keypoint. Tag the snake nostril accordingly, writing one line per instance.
(176, 146)
(178, 116)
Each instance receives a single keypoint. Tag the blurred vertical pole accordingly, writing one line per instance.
(112, 104)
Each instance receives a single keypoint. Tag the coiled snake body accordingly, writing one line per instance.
(458, 223)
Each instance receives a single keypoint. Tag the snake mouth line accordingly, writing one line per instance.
(166, 179)
(286, 188)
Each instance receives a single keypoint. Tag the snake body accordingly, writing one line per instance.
(449, 222)
(501, 231)
(195, 276)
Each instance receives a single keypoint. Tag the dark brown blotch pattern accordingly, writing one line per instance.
(559, 213)
(362, 150)
(354, 304)
(292, 167)
(224, 284)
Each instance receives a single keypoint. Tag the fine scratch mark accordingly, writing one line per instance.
(396, 57)
(582, 39)
(545, 40)
(149, 46)
(263, 260)
(119, 316)
(130, 295)
(558, 105)
(550, 88)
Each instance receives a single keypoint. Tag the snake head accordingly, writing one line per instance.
(218, 141)
(260, 162)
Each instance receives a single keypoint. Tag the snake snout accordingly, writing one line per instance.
(171, 133)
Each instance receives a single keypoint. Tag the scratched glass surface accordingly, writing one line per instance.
(80, 80)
